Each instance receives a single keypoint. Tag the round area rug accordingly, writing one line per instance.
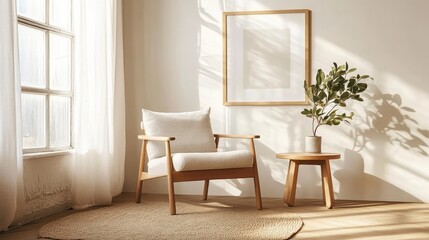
(151, 220)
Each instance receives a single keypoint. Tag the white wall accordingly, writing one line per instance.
(173, 62)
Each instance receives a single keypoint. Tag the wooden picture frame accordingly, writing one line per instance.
(266, 57)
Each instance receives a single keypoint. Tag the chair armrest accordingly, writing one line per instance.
(155, 138)
(236, 136)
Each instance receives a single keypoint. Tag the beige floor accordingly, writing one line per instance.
(348, 220)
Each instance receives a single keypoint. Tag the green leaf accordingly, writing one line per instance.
(362, 87)
(341, 80)
(345, 96)
(351, 83)
(355, 96)
(315, 98)
(335, 65)
(364, 76)
(347, 66)
(318, 77)
(342, 71)
(322, 95)
(336, 88)
(351, 70)
(342, 68)
(305, 111)
(322, 75)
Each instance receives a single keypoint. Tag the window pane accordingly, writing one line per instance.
(34, 9)
(60, 57)
(32, 54)
(60, 13)
(33, 120)
(60, 121)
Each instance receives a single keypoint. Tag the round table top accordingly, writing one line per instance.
(308, 156)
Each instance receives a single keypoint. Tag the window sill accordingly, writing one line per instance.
(47, 154)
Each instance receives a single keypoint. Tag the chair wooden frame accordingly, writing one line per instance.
(197, 175)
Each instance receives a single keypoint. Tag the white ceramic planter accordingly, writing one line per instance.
(313, 144)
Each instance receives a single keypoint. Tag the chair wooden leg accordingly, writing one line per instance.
(171, 197)
(257, 192)
(206, 189)
(256, 176)
(139, 191)
(141, 168)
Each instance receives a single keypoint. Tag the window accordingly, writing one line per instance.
(45, 45)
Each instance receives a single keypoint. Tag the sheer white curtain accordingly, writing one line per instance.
(10, 112)
(99, 103)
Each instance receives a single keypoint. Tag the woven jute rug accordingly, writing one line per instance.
(224, 219)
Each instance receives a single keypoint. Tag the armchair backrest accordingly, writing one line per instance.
(192, 131)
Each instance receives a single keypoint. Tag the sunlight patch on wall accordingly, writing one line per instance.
(328, 52)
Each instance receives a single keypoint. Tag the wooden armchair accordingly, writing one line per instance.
(196, 166)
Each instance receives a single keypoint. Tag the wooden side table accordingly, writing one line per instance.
(299, 158)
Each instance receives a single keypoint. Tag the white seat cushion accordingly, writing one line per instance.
(202, 161)
(192, 131)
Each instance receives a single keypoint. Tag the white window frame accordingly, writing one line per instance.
(47, 28)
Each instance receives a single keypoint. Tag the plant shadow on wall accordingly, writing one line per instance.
(393, 121)
(386, 121)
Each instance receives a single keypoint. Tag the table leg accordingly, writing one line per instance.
(323, 183)
(327, 185)
(290, 186)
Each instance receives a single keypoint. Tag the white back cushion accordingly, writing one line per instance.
(192, 131)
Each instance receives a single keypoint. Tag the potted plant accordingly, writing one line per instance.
(330, 93)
